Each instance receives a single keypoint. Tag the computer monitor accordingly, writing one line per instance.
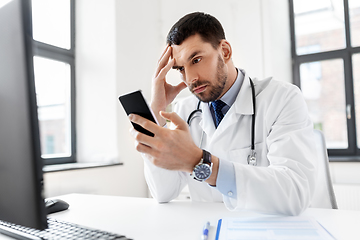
(21, 200)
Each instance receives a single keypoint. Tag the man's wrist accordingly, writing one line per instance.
(156, 111)
(215, 168)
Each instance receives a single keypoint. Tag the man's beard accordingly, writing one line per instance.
(217, 89)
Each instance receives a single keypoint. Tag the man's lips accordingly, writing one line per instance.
(199, 89)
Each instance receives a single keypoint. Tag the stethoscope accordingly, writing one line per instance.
(252, 157)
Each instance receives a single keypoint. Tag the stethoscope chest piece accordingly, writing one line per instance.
(252, 158)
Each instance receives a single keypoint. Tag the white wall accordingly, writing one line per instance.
(118, 43)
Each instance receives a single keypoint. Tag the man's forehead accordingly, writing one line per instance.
(190, 47)
(185, 53)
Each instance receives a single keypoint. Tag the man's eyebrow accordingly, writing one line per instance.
(193, 55)
(176, 67)
(189, 59)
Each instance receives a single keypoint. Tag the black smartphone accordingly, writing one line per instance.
(135, 103)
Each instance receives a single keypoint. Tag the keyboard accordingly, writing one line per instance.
(57, 229)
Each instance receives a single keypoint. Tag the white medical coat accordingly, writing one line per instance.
(283, 181)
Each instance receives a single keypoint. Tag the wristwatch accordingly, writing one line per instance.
(203, 169)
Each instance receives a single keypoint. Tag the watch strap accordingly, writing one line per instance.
(206, 157)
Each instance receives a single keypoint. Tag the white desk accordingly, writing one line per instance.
(144, 219)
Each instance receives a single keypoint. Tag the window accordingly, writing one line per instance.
(53, 34)
(325, 38)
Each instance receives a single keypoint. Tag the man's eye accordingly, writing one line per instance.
(180, 69)
(196, 60)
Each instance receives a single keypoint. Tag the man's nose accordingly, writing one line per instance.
(191, 77)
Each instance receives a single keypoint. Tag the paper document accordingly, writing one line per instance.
(279, 228)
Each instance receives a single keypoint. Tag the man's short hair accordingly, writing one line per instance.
(207, 26)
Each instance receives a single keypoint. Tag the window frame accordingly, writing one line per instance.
(352, 153)
(51, 52)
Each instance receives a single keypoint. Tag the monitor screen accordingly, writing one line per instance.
(21, 200)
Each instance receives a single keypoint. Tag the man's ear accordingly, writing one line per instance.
(226, 50)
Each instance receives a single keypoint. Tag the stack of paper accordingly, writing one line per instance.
(279, 228)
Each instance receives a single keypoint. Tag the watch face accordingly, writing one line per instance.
(202, 172)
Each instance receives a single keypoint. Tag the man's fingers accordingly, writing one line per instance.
(145, 123)
(142, 148)
(165, 69)
(163, 53)
(144, 143)
(164, 60)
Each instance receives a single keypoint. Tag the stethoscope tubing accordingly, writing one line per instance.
(253, 116)
(192, 114)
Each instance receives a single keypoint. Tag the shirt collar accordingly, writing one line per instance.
(230, 96)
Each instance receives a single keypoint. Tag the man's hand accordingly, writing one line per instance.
(162, 92)
(169, 149)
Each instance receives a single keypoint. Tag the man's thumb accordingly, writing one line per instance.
(175, 119)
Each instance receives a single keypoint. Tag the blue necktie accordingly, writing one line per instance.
(218, 106)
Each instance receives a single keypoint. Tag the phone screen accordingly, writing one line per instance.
(135, 103)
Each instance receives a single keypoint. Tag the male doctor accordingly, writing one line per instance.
(211, 156)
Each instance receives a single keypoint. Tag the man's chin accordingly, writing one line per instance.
(202, 97)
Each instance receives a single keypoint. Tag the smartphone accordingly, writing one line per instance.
(135, 103)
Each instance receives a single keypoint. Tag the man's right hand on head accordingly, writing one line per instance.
(162, 92)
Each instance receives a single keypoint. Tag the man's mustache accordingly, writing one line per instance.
(197, 84)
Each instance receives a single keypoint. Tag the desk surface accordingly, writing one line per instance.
(144, 218)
